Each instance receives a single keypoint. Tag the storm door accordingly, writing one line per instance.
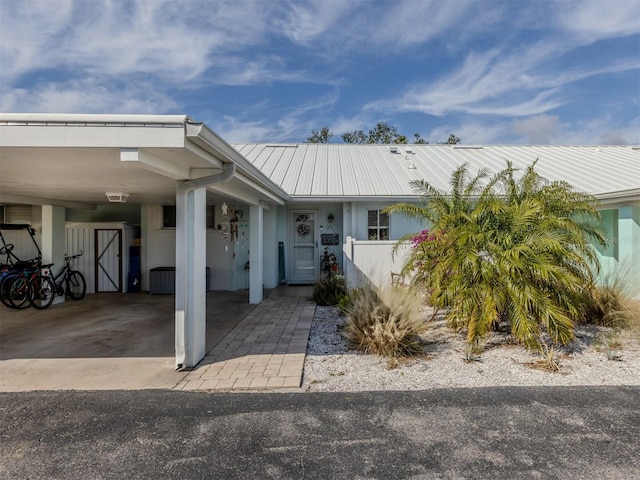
(303, 246)
(108, 260)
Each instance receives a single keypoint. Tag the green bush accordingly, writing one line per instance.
(385, 324)
(346, 301)
(507, 248)
(330, 290)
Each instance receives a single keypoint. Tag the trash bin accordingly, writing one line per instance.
(162, 280)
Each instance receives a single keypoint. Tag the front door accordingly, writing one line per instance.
(108, 260)
(303, 250)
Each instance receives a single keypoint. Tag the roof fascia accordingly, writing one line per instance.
(91, 119)
(202, 135)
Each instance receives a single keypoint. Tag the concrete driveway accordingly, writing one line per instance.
(105, 341)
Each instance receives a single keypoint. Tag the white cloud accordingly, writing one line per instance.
(549, 129)
(306, 22)
(593, 20)
(539, 130)
(296, 122)
(88, 95)
(518, 82)
(159, 37)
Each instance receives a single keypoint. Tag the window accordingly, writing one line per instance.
(17, 214)
(377, 225)
(169, 216)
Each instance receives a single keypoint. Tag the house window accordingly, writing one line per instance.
(169, 216)
(377, 225)
(17, 214)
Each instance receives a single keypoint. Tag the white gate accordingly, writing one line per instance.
(108, 255)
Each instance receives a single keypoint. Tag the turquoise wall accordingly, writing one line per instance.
(622, 254)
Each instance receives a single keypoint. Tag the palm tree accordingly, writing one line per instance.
(502, 249)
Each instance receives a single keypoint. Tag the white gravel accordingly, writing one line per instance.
(331, 365)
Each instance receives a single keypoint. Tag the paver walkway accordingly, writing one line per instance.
(265, 351)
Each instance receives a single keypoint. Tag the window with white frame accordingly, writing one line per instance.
(377, 225)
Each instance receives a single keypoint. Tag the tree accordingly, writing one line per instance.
(452, 140)
(322, 136)
(382, 133)
(356, 136)
(418, 140)
(505, 250)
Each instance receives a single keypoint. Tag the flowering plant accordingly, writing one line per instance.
(423, 236)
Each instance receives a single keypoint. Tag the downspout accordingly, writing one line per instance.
(184, 187)
(228, 171)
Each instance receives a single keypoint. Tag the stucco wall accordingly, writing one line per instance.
(371, 261)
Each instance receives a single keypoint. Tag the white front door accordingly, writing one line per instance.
(303, 246)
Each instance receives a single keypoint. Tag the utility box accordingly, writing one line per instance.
(162, 280)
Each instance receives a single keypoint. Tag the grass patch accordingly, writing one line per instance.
(550, 361)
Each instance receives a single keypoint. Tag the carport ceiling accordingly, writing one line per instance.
(84, 175)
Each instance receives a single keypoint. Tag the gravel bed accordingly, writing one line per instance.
(331, 365)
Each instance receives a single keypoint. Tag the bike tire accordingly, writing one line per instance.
(19, 292)
(5, 288)
(76, 286)
(42, 291)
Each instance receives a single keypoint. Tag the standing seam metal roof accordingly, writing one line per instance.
(348, 170)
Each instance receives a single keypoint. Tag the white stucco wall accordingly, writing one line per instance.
(371, 261)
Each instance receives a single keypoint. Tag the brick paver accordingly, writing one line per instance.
(265, 351)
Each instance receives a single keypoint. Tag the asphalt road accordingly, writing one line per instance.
(572, 432)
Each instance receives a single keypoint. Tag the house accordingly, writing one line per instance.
(254, 215)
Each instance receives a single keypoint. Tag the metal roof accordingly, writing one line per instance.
(354, 171)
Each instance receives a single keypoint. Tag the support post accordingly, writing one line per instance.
(53, 243)
(256, 236)
(191, 255)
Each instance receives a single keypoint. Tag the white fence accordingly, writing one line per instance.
(372, 261)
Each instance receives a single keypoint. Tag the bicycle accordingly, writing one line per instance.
(45, 286)
(20, 284)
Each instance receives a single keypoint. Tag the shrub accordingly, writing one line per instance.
(505, 249)
(611, 303)
(330, 290)
(385, 324)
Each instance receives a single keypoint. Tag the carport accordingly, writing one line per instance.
(54, 162)
(113, 341)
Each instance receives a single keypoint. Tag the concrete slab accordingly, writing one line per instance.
(105, 341)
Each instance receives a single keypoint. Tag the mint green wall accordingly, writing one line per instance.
(622, 254)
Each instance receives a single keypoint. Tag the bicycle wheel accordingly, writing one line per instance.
(19, 292)
(76, 286)
(41, 292)
(5, 288)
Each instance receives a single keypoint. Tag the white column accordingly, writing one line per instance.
(191, 257)
(270, 246)
(53, 243)
(256, 236)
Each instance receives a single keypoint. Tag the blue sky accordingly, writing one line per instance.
(493, 72)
